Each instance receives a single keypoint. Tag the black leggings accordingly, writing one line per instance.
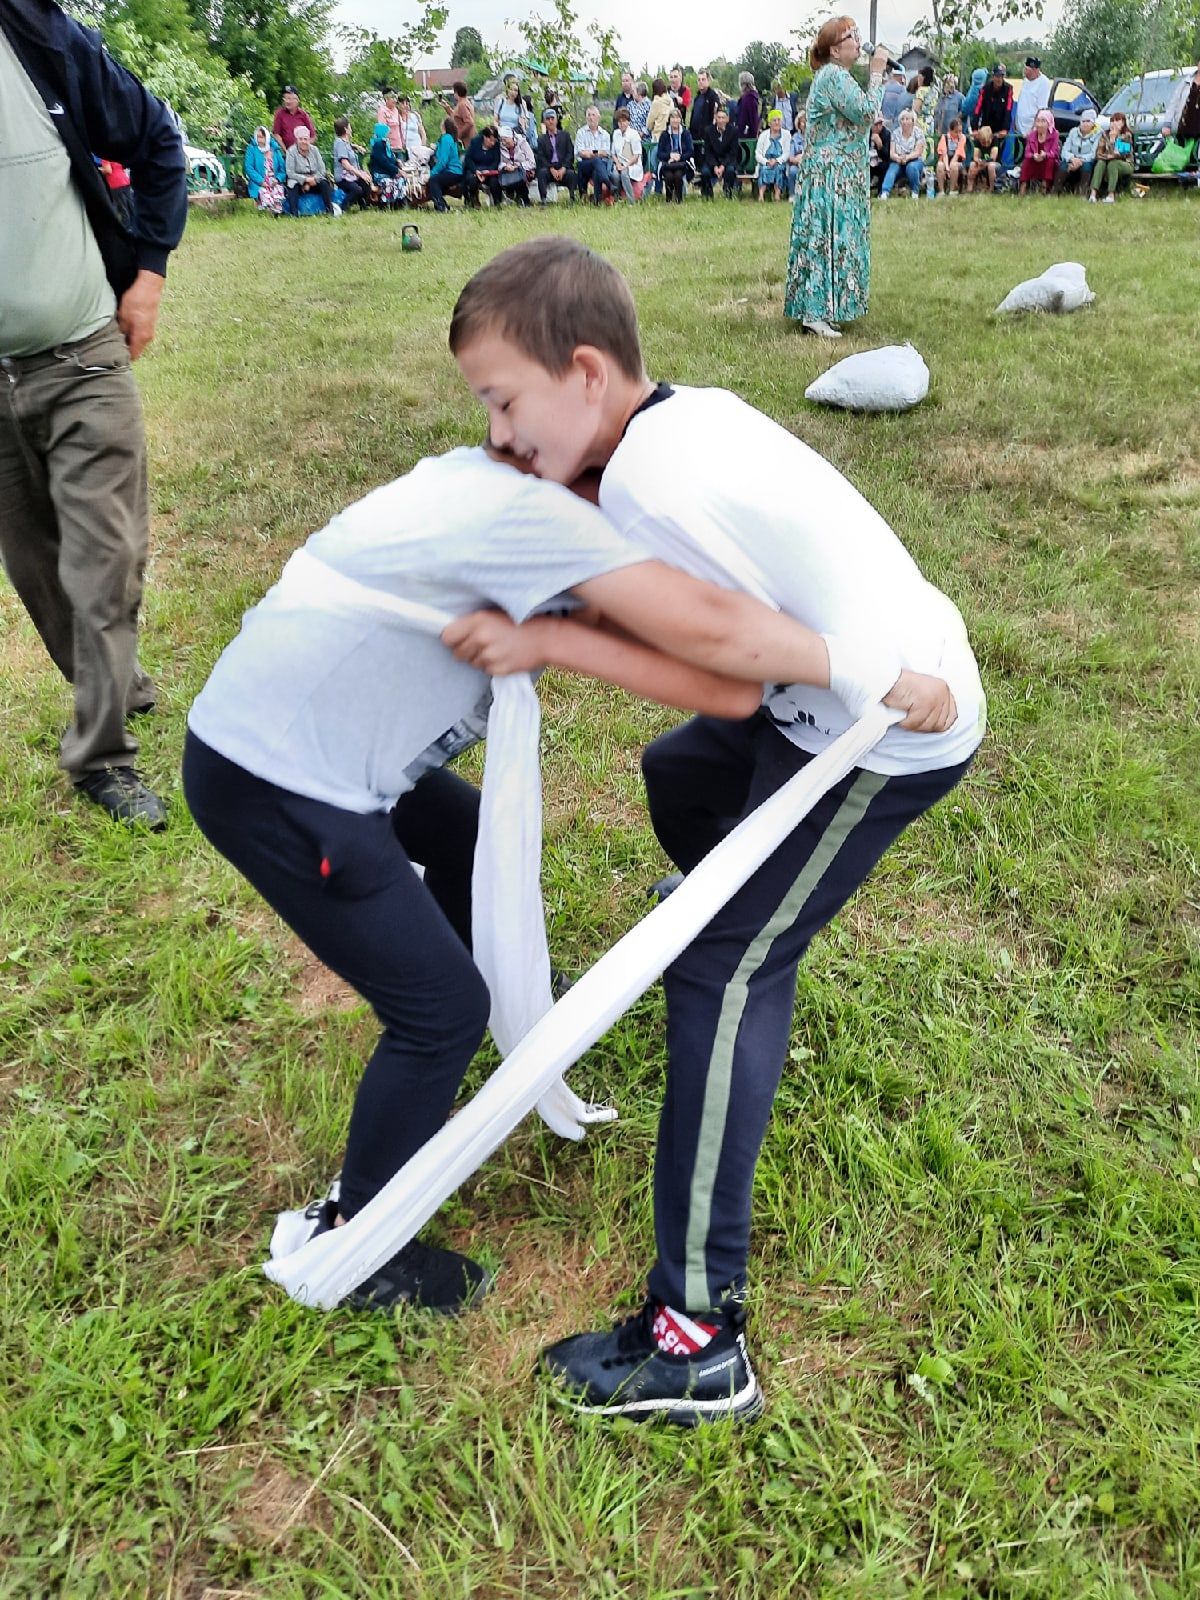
(344, 884)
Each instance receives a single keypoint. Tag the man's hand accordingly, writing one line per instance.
(928, 701)
(495, 644)
(137, 312)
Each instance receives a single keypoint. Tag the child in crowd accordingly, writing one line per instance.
(951, 157)
(316, 756)
(565, 390)
(985, 156)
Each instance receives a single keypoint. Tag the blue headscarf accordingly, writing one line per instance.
(978, 79)
(381, 131)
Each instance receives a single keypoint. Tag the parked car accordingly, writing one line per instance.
(1069, 99)
(1148, 102)
(206, 171)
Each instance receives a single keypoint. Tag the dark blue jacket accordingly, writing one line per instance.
(99, 109)
(686, 147)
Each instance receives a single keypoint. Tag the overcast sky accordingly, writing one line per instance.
(655, 33)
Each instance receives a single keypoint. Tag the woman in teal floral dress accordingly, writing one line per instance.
(830, 265)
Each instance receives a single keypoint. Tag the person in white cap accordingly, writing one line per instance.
(1035, 97)
(1078, 156)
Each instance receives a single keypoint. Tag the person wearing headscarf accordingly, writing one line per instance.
(971, 100)
(385, 169)
(265, 171)
(1039, 164)
(829, 268)
(770, 158)
(1078, 157)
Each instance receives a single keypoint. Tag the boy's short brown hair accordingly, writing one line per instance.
(548, 296)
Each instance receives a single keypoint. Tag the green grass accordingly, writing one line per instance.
(977, 1228)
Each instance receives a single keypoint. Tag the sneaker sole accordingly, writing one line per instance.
(747, 1405)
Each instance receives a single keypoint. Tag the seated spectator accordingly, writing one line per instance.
(446, 172)
(796, 151)
(517, 166)
(266, 172)
(356, 184)
(1078, 158)
(385, 169)
(639, 109)
(1114, 158)
(593, 156)
(721, 157)
(748, 114)
(879, 147)
(950, 105)
(306, 174)
(674, 162)
(481, 166)
(951, 159)
(1040, 160)
(908, 156)
(984, 158)
(660, 110)
(628, 171)
(770, 159)
(555, 158)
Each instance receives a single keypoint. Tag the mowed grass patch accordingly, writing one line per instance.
(977, 1229)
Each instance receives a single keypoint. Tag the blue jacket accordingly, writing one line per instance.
(686, 147)
(255, 167)
(100, 109)
(446, 157)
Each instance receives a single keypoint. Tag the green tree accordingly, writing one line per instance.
(1106, 42)
(563, 50)
(468, 47)
(765, 62)
(272, 42)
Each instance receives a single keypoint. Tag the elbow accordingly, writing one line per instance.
(736, 701)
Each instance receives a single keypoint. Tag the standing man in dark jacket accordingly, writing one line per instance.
(704, 109)
(555, 158)
(79, 297)
(996, 104)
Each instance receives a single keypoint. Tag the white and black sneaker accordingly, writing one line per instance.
(624, 1373)
(418, 1275)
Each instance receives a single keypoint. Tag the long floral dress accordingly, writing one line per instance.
(829, 269)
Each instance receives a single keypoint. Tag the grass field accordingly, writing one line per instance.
(977, 1233)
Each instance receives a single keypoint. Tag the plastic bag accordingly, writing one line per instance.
(1060, 288)
(1173, 157)
(894, 378)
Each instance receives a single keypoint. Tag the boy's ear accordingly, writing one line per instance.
(592, 364)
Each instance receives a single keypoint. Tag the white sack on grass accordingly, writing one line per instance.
(508, 922)
(894, 378)
(1060, 288)
(322, 1271)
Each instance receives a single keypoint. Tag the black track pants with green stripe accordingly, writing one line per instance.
(731, 994)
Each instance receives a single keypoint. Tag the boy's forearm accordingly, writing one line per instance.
(642, 670)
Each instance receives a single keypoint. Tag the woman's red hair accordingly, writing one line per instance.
(830, 33)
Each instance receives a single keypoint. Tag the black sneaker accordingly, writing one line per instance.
(624, 1374)
(664, 886)
(120, 792)
(424, 1276)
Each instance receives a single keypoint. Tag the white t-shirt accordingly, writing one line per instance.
(823, 554)
(352, 709)
(1034, 97)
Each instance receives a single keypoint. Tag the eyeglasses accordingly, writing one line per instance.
(853, 34)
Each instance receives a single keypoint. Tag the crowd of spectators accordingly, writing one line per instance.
(943, 142)
(664, 137)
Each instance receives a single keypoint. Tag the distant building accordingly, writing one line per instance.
(915, 57)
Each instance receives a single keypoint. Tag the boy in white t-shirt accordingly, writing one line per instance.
(316, 753)
(566, 391)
